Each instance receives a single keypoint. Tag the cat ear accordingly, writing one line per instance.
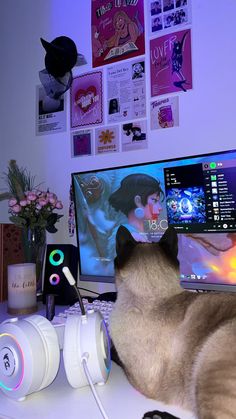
(125, 244)
(169, 242)
(123, 239)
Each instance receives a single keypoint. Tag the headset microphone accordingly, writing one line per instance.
(72, 282)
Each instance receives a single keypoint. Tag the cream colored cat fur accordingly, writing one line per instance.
(176, 346)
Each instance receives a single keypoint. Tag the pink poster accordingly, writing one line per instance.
(117, 30)
(171, 63)
(86, 100)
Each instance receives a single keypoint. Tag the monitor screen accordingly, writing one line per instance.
(196, 195)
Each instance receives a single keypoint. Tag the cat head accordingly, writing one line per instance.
(147, 265)
(125, 245)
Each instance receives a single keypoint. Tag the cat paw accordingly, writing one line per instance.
(156, 414)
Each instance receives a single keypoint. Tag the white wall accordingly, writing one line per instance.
(207, 113)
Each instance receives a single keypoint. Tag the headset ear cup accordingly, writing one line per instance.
(86, 337)
(51, 346)
(72, 352)
(29, 355)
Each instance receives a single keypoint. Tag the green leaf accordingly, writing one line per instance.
(5, 195)
(41, 223)
(51, 229)
(52, 219)
(16, 219)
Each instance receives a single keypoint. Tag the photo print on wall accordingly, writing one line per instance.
(126, 91)
(50, 113)
(168, 14)
(117, 30)
(107, 139)
(165, 113)
(171, 63)
(81, 143)
(134, 135)
(87, 100)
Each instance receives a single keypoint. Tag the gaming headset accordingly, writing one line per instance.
(30, 352)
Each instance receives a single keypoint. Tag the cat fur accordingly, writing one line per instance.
(175, 346)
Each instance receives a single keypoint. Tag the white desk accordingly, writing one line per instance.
(120, 400)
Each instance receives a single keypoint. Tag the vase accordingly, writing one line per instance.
(34, 245)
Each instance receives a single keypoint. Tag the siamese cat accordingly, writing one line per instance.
(175, 346)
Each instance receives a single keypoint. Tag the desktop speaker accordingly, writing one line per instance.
(55, 282)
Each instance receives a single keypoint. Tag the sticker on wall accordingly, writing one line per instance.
(171, 63)
(165, 113)
(50, 113)
(117, 30)
(126, 91)
(168, 14)
(81, 143)
(107, 139)
(134, 136)
(87, 100)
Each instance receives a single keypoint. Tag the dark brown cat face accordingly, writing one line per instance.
(125, 245)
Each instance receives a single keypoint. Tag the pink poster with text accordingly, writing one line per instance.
(171, 63)
(117, 30)
(87, 100)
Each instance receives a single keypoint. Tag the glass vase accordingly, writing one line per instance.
(34, 245)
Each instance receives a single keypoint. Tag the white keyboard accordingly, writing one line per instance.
(105, 308)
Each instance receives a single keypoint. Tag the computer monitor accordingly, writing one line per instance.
(194, 194)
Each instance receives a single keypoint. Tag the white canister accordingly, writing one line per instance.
(22, 297)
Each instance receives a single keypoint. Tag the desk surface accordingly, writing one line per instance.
(120, 400)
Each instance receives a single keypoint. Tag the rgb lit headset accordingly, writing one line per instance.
(29, 355)
(30, 352)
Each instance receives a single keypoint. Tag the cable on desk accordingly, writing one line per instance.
(88, 376)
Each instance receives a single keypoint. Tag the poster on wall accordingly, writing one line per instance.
(167, 14)
(134, 136)
(50, 113)
(165, 113)
(81, 143)
(107, 139)
(117, 30)
(86, 100)
(171, 63)
(126, 91)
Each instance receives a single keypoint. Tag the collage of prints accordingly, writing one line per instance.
(108, 105)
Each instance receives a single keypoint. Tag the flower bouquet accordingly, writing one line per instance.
(32, 209)
(29, 206)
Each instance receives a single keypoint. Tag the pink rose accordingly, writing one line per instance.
(23, 203)
(32, 196)
(52, 201)
(59, 205)
(42, 202)
(16, 208)
(12, 202)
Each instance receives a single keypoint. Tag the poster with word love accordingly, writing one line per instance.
(87, 100)
(171, 63)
